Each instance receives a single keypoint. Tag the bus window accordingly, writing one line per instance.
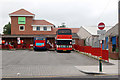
(64, 32)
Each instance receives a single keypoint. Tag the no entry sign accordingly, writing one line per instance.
(101, 26)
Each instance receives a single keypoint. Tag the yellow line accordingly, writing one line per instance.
(40, 76)
(107, 75)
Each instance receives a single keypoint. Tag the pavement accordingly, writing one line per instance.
(107, 70)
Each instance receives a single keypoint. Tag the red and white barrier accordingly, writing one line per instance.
(97, 52)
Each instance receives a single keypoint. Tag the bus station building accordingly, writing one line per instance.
(24, 27)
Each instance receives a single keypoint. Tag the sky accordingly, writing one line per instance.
(74, 13)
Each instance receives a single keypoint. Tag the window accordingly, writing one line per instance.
(114, 43)
(64, 31)
(34, 28)
(45, 28)
(21, 27)
(73, 41)
(21, 20)
(38, 28)
(64, 42)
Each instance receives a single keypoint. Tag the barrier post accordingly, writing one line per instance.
(100, 64)
(101, 48)
(100, 59)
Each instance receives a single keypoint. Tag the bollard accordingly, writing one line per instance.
(100, 64)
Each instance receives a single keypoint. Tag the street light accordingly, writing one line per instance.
(119, 26)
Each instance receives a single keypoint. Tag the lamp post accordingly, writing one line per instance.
(119, 26)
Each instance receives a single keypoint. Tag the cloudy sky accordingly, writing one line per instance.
(74, 13)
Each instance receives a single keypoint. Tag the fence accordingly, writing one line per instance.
(22, 46)
(93, 51)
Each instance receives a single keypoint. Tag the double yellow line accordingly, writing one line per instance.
(42, 76)
(107, 75)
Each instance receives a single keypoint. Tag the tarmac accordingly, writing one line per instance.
(25, 64)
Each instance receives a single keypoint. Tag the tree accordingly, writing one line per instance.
(62, 26)
(7, 28)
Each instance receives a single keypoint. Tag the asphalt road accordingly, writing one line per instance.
(25, 63)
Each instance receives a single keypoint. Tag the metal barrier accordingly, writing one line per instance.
(19, 46)
(93, 51)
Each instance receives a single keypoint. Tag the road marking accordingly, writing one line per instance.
(42, 76)
(107, 75)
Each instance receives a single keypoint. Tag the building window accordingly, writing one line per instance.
(73, 41)
(21, 20)
(114, 43)
(38, 28)
(45, 28)
(34, 28)
(21, 27)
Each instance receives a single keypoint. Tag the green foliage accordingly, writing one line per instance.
(117, 50)
(7, 29)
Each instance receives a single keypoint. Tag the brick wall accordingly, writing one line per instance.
(15, 26)
(113, 55)
(79, 42)
(28, 27)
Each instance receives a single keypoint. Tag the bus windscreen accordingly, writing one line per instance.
(39, 44)
(64, 42)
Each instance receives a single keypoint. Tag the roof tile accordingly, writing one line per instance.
(21, 12)
(41, 22)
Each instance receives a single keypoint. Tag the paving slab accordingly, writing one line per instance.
(106, 69)
(39, 70)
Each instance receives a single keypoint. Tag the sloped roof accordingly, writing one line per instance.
(21, 12)
(74, 35)
(83, 33)
(75, 30)
(93, 29)
(112, 31)
(41, 22)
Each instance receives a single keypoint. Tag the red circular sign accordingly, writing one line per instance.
(101, 26)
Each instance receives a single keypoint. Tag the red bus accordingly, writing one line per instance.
(64, 40)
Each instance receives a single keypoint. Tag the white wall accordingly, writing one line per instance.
(83, 33)
(41, 28)
(92, 41)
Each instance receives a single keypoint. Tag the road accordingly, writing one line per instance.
(25, 63)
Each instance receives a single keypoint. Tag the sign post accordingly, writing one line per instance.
(100, 59)
(101, 33)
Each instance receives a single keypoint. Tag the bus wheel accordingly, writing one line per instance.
(35, 50)
(69, 51)
(57, 51)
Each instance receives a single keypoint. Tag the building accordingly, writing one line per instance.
(25, 27)
(111, 41)
(23, 23)
(90, 36)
